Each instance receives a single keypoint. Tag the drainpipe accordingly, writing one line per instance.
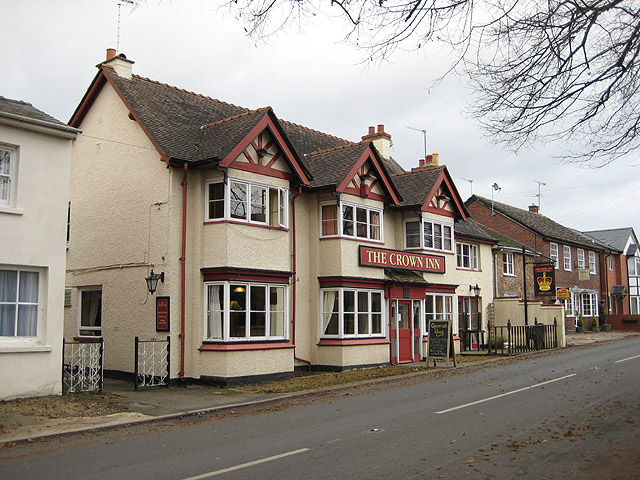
(183, 270)
(295, 281)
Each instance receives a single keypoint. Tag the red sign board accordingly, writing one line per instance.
(544, 279)
(380, 257)
(162, 314)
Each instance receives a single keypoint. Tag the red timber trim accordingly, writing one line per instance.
(357, 192)
(352, 282)
(351, 342)
(266, 122)
(383, 179)
(434, 191)
(238, 347)
(101, 79)
(441, 288)
(245, 274)
(263, 170)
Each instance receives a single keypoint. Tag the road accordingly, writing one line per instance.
(563, 415)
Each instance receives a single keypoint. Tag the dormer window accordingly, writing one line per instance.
(428, 235)
(351, 221)
(249, 202)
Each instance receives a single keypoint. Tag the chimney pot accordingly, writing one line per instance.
(421, 162)
(533, 208)
(111, 52)
(380, 128)
(372, 130)
(436, 158)
(428, 160)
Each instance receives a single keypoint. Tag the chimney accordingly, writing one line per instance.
(436, 158)
(533, 208)
(120, 64)
(380, 139)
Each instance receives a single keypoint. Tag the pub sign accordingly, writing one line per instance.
(544, 280)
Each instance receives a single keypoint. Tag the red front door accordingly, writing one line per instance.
(405, 332)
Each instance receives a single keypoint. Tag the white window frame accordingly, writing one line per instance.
(226, 309)
(467, 256)
(20, 301)
(610, 263)
(508, 264)
(429, 229)
(340, 312)
(569, 305)
(566, 258)
(355, 221)
(581, 258)
(8, 175)
(274, 215)
(553, 253)
(83, 330)
(443, 309)
(592, 263)
(589, 304)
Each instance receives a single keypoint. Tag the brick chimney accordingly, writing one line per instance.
(120, 64)
(380, 139)
(533, 208)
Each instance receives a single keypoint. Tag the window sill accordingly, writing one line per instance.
(464, 269)
(348, 342)
(353, 239)
(508, 275)
(252, 224)
(11, 210)
(15, 348)
(234, 347)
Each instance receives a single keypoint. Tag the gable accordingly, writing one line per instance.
(265, 156)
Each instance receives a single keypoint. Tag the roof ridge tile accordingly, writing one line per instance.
(334, 149)
(235, 117)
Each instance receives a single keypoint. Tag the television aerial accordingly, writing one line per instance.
(424, 133)
(135, 4)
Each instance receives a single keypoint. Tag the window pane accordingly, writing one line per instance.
(8, 285)
(437, 236)
(7, 320)
(347, 220)
(363, 313)
(237, 308)
(412, 234)
(238, 202)
(428, 235)
(91, 308)
(27, 320)
(276, 312)
(274, 207)
(216, 200)
(361, 222)
(330, 310)
(447, 238)
(375, 225)
(329, 220)
(5, 175)
(215, 317)
(258, 204)
(349, 312)
(28, 287)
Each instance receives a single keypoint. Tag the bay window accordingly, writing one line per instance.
(19, 303)
(467, 256)
(351, 220)
(247, 202)
(352, 313)
(426, 234)
(238, 311)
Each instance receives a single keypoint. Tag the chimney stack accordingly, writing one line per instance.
(111, 52)
(380, 139)
(533, 208)
(120, 64)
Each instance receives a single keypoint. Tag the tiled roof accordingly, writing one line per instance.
(471, 229)
(540, 224)
(19, 108)
(415, 186)
(330, 167)
(615, 239)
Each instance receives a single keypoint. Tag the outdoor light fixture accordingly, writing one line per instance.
(152, 281)
(476, 289)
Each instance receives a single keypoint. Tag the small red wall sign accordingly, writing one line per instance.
(162, 314)
(380, 257)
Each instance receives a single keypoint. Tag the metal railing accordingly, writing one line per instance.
(152, 362)
(82, 365)
(511, 340)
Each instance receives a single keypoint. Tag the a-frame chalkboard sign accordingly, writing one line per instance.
(440, 346)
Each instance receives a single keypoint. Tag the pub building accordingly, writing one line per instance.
(280, 247)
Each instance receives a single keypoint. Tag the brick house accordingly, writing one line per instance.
(576, 257)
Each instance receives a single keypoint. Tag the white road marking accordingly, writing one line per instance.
(504, 394)
(629, 358)
(248, 464)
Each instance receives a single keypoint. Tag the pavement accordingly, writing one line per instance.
(162, 403)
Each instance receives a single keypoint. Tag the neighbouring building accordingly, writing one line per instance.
(35, 154)
(573, 258)
(280, 247)
(620, 267)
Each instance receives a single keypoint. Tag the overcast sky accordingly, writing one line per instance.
(50, 50)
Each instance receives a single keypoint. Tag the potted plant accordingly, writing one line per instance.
(580, 327)
(604, 325)
(594, 325)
